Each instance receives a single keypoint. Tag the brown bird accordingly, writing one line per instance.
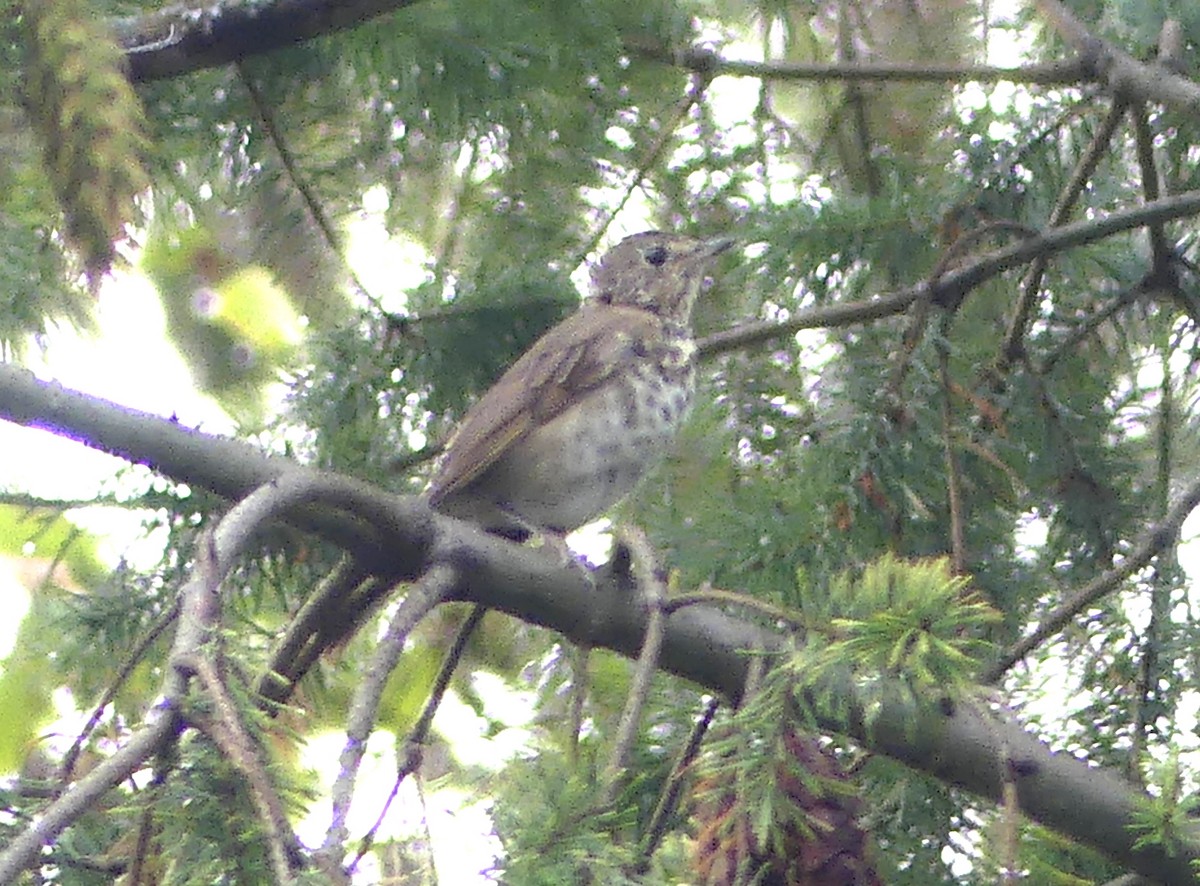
(568, 431)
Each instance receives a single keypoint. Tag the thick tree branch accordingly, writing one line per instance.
(699, 644)
(229, 468)
(183, 38)
(180, 39)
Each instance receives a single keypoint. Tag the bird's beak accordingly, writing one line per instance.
(716, 245)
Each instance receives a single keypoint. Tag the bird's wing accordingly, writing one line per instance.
(571, 359)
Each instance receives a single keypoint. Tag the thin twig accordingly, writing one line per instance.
(1010, 820)
(709, 596)
(706, 61)
(331, 593)
(423, 596)
(669, 798)
(199, 609)
(650, 158)
(1146, 685)
(918, 321)
(1157, 539)
(32, 502)
(414, 745)
(856, 105)
(954, 284)
(958, 541)
(1031, 284)
(654, 593)
(66, 771)
(225, 729)
(1089, 326)
(580, 686)
(333, 239)
(1143, 139)
(145, 830)
(1123, 75)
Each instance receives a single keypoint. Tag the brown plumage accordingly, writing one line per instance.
(569, 429)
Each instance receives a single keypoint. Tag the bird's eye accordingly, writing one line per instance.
(656, 255)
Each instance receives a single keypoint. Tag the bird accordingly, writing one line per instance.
(579, 418)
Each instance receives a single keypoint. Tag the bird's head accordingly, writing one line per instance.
(657, 272)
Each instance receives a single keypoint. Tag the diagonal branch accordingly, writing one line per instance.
(199, 607)
(953, 286)
(1031, 286)
(700, 643)
(433, 588)
(183, 38)
(1159, 537)
(1123, 75)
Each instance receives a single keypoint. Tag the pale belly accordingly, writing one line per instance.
(582, 463)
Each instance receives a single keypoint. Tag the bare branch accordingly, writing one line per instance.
(700, 643)
(706, 61)
(226, 730)
(296, 651)
(1123, 75)
(434, 587)
(669, 798)
(1031, 286)
(199, 608)
(159, 728)
(1160, 536)
(951, 287)
(184, 37)
(645, 569)
(414, 746)
(66, 771)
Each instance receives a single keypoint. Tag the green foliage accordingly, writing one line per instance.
(34, 288)
(47, 539)
(58, 559)
(904, 633)
(408, 688)
(1164, 819)
(1048, 857)
(502, 138)
(234, 325)
(552, 829)
(208, 830)
(923, 819)
(26, 685)
(753, 760)
(896, 630)
(914, 620)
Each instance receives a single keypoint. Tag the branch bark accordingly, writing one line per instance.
(184, 38)
(952, 287)
(700, 644)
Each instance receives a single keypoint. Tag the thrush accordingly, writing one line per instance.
(572, 426)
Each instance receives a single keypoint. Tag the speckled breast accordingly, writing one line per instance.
(601, 447)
